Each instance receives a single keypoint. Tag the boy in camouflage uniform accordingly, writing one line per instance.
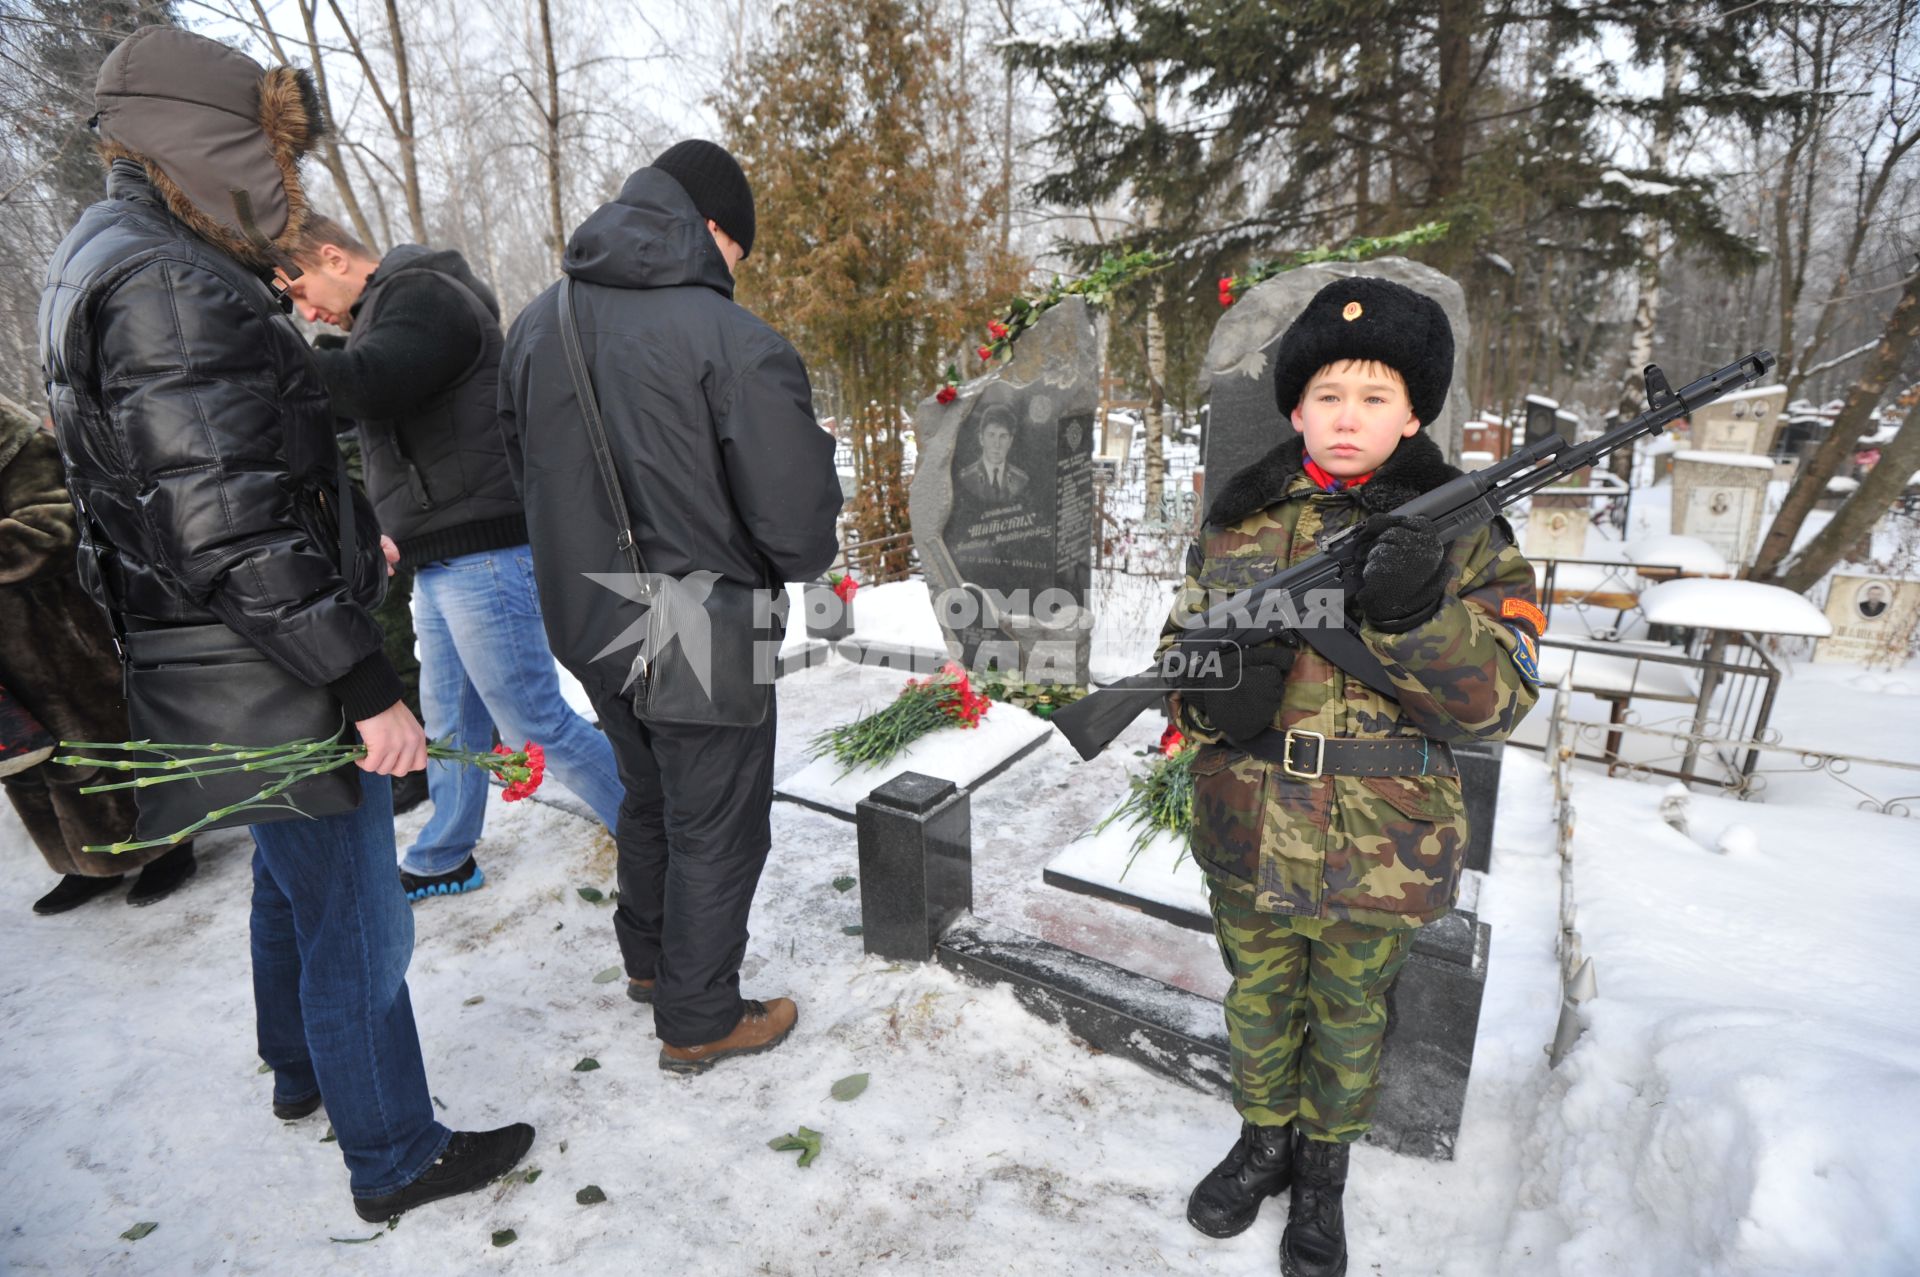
(1327, 816)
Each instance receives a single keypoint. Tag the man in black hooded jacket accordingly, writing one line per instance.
(725, 471)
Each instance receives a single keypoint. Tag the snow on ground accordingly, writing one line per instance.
(1747, 1096)
(986, 1139)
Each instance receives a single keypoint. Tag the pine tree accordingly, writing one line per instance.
(877, 244)
(1305, 124)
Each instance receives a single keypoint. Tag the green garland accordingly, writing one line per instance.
(1117, 270)
(1358, 249)
(1038, 698)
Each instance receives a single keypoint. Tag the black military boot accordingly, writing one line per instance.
(1258, 1166)
(1315, 1243)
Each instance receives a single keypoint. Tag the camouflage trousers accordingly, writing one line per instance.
(1306, 1015)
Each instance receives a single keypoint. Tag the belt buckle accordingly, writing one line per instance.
(1319, 754)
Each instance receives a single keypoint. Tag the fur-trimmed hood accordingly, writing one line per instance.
(220, 138)
(1416, 466)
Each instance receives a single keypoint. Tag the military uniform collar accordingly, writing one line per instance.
(1416, 466)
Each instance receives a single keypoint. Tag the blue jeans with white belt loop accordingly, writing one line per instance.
(484, 660)
(332, 936)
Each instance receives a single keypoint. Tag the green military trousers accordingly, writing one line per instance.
(1306, 1014)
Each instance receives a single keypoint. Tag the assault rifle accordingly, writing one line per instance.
(1456, 508)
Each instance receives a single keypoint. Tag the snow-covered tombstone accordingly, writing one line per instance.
(1744, 421)
(1720, 497)
(1873, 620)
(1243, 421)
(1002, 504)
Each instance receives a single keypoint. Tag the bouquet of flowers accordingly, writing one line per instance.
(1162, 800)
(280, 766)
(945, 699)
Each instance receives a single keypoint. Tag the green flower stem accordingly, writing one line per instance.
(290, 763)
(259, 800)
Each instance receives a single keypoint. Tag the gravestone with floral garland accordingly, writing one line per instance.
(1002, 503)
(1243, 421)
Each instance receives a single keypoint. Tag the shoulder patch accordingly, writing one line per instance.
(1513, 608)
(1526, 654)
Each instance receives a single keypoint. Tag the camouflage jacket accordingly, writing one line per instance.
(1379, 850)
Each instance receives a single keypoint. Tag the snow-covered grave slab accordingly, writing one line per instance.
(1688, 554)
(967, 756)
(1743, 606)
(1163, 881)
(894, 626)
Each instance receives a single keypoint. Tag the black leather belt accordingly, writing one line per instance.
(1307, 755)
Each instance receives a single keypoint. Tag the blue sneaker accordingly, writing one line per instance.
(464, 877)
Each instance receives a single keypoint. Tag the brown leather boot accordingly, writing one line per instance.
(640, 990)
(763, 1026)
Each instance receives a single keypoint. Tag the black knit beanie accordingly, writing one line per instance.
(719, 189)
(1365, 318)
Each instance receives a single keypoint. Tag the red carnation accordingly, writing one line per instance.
(523, 771)
(947, 395)
(986, 354)
(996, 328)
(1171, 741)
(844, 585)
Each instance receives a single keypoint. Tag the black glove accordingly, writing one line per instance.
(1403, 576)
(1242, 702)
(330, 341)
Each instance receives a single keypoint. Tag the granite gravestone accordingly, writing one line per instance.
(1720, 497)
(1002, 504)
(1243, 422)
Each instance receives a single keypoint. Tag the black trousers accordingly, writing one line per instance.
(693, 837)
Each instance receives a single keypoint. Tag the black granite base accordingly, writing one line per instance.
(1433, 1016)
(1177, 1034)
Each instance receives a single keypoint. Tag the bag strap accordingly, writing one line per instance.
(597, 432)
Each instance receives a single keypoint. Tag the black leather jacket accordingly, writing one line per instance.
(198, 442)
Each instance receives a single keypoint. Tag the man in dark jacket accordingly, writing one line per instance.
(199, 448)
(419, 373)
(725, 471)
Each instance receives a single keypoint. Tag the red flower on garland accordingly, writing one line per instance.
(1171, 741)
(986, 354)
(947, 394)
(843, 585)
(1226, 290)
(523, 771)
(996, 329)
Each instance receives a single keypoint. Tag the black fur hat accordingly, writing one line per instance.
(1370, 319)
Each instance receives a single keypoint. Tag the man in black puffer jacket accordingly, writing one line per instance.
(419, 373)
(710, 421)
(199, 448)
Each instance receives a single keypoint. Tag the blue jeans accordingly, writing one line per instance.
(484, 661)
(332, 934)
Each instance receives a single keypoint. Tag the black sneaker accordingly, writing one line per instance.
(162, 877)
(72, 891)
(466, 877)
(294, 1110)
(472, 1159)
